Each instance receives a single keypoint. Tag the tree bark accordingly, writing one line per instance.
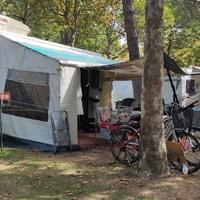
(70, 15)
(68, 38)
(153, 159)
(130, 29)
(132, 42)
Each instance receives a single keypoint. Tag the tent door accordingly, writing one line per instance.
(90, 91)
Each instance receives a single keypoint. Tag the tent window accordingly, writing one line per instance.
(190, 86)
(29, 94)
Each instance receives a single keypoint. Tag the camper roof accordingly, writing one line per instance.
(65, 54)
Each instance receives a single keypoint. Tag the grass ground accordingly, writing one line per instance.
(85, 175)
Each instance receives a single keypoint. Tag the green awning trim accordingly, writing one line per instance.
(85, 57)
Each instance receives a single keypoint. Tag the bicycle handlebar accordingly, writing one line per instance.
(190, 105)
(177, 108)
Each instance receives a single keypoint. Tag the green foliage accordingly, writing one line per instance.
(181, 29)
(140, 18)
(184, 31)
(102, 33)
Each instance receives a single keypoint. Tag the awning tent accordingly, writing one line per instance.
(42, 77)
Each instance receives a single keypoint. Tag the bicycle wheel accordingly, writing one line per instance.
(191, 148)
(124, 145)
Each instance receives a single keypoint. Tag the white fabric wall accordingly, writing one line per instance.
(121, 90)
(30, 129)
(14, 56)
(79, 94)
(167, 92)
(68, 98)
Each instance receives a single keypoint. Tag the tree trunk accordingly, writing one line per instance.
(25, 14)
(130, 29)
(137, 90)
(109, 42)
(70, 14)
(68, 38)
(132, 42)
(153, 159)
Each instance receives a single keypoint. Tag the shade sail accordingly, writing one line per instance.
(124, 71)
(134, 69)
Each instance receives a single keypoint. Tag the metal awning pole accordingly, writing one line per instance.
(175, 98)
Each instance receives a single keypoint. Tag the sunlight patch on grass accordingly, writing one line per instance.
(172, 182)
(167, 183)
(146, 192)
(65, 168)
(96, 197)
(5, 167)
(145, 198)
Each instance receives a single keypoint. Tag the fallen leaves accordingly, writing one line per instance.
(6, 196)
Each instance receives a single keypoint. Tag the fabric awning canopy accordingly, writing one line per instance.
(124, 71)
(134, 69)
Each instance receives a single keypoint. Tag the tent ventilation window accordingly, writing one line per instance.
(29, 94)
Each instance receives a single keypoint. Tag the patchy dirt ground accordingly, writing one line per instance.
(87, 175)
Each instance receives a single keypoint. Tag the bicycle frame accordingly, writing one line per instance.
(128, 143)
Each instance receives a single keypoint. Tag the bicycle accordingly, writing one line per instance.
(125, 142)
(178, 130)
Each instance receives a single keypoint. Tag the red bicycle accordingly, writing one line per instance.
(123, 136)
(125, 143)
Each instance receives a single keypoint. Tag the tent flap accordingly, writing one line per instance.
(170, 64)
